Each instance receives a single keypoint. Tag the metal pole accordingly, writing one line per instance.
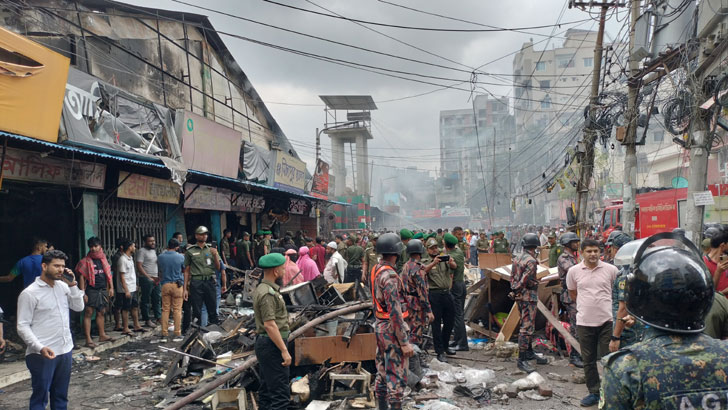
(587, 162)
(630, 158)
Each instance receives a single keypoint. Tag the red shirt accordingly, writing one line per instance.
(712, 266)
(320, 253)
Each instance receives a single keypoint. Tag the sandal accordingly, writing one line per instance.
(91, 345)
(108, 339)
(140, 330)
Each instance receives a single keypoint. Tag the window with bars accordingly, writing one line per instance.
(127, 218)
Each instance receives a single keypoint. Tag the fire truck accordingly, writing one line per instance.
(657, 211)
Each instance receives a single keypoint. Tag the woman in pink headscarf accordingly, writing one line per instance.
(293, 274)
(308, 266)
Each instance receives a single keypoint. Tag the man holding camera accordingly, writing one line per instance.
(440, 270)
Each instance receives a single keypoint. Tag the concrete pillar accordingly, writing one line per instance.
(337, 157)
(90, 213)
(215, 230)
(362, 166)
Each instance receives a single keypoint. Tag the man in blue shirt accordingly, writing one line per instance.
(172, 280)
(28, 267)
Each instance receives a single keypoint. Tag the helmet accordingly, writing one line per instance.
(201, 230)
(415, 246)
(374, 237)
(568, 238)
(712, 232)
(611, 237)
(389, 244)
(530, 240)
(620, 240)
(431, 242)
(670, 288)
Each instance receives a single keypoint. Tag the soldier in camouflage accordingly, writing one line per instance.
(570, 242)
(524, 287)
(414, 279)
(675, 366)
(391, 329)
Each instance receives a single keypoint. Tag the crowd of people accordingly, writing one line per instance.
(416, 281)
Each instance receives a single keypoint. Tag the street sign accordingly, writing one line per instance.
(703, 198)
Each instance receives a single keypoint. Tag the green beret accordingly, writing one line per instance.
(405, 234)
(450, 239)
(432, 235)
(271, 260)
(267, 233)
(418, 235)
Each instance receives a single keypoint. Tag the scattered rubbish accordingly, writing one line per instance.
(229, 399)
(532, 395)
(439, 405)
(112, 372)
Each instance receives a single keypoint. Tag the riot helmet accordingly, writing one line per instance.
(389, 244)
(530, 240)
(669, 288)
(415, 246)
(568, 238)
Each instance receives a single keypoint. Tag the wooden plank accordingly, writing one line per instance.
(477, 285)
(316, 350)
(559, 328)
(482, 330)
(510, 324)
(481, 300)
(493, 260)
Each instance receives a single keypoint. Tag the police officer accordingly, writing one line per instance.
(570, 243)
(500, 244)
(623, 334)
(524, 286)
(482, 244)
(439, 282)
(609, 252)
(416, 292)
(675, 366)
(271, 324)
(391, 329)
(555, 250)
(405, 235)
(458, 292)
(201, 262)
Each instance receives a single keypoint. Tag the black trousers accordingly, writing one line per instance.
(352, 274)
(458, 294)
(186, 315)
(203, 291)
(274, 393)
(443, 308)
(594, 341)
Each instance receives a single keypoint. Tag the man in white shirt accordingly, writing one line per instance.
(474, 248)
(128, 290)
(147, 272)
(43, 325)
(336, 266)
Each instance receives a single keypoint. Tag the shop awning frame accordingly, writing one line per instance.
(127, 157)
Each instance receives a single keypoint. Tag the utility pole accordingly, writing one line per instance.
(587, 162)
(629, 189)
(491, 207)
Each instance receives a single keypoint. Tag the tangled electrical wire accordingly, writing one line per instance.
(677, 112)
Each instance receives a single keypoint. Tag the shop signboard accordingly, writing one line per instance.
(144, 188)
(426, 213)
(289, 173)
(30, 166)
(207, 197)
(320, 186)
(248, 203)
(208, 146)
(459, 212)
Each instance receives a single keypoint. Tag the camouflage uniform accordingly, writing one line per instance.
(416, 292)
(391, 335)
(629, 335)
(667, 371)
(555, 251)
(525, 288)
(371, 258)
(567, 260)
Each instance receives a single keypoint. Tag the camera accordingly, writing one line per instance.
(444, 258)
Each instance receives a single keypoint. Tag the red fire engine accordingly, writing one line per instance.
(657, 211)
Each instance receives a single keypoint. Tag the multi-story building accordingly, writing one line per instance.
(474, 143)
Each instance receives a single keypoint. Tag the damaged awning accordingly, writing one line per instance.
(103, 117)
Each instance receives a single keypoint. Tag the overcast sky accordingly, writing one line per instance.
(283, 77)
